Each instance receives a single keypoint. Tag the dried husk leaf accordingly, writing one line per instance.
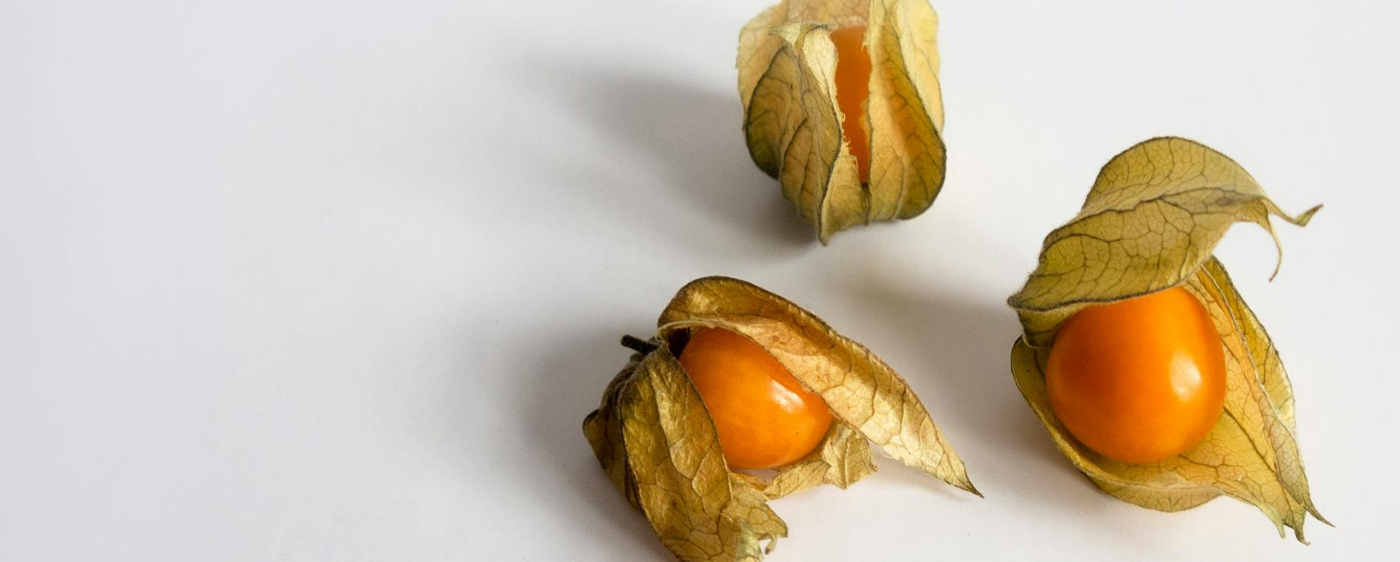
(861, 391)
(1150, 223)
(792, 123)
(841, 459)
(658, 445)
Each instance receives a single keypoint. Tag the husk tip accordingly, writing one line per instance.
(771, 545)
(1298, 535)
(1318, 516)
(1302, 220)
(962, 482)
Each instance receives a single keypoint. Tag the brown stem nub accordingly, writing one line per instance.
(638, 345)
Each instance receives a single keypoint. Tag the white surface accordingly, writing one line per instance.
(339, 280)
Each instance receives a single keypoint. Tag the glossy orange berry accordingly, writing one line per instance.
(764, 416)
(852, 89)
(1139, 380)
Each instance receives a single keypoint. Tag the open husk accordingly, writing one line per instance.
(1151, 221)
(655, 439)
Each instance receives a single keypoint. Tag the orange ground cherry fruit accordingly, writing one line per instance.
(1139, 380)
(765, 418)
(852, 89)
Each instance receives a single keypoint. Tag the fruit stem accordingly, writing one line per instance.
(638, 345)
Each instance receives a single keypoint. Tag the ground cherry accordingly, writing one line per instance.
(852, 89)
(765, 418)
(1139, 380)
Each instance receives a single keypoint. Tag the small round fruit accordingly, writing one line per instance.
(1139, 380)
(852, 90)
(765, 418)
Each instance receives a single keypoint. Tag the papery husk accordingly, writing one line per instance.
(656, 441)
(792, 123)
(666, 460)
(1150, 223)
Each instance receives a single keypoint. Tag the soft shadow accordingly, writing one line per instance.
(963, 368)
(697, 133)
(573, 373)
(693, 132)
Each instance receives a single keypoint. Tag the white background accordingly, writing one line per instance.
(329, 280)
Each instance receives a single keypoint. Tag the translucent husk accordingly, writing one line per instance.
(657, 443)
(792, 123)
(1150, 223)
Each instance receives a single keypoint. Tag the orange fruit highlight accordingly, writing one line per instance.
(764, 416)
(1139, 380)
